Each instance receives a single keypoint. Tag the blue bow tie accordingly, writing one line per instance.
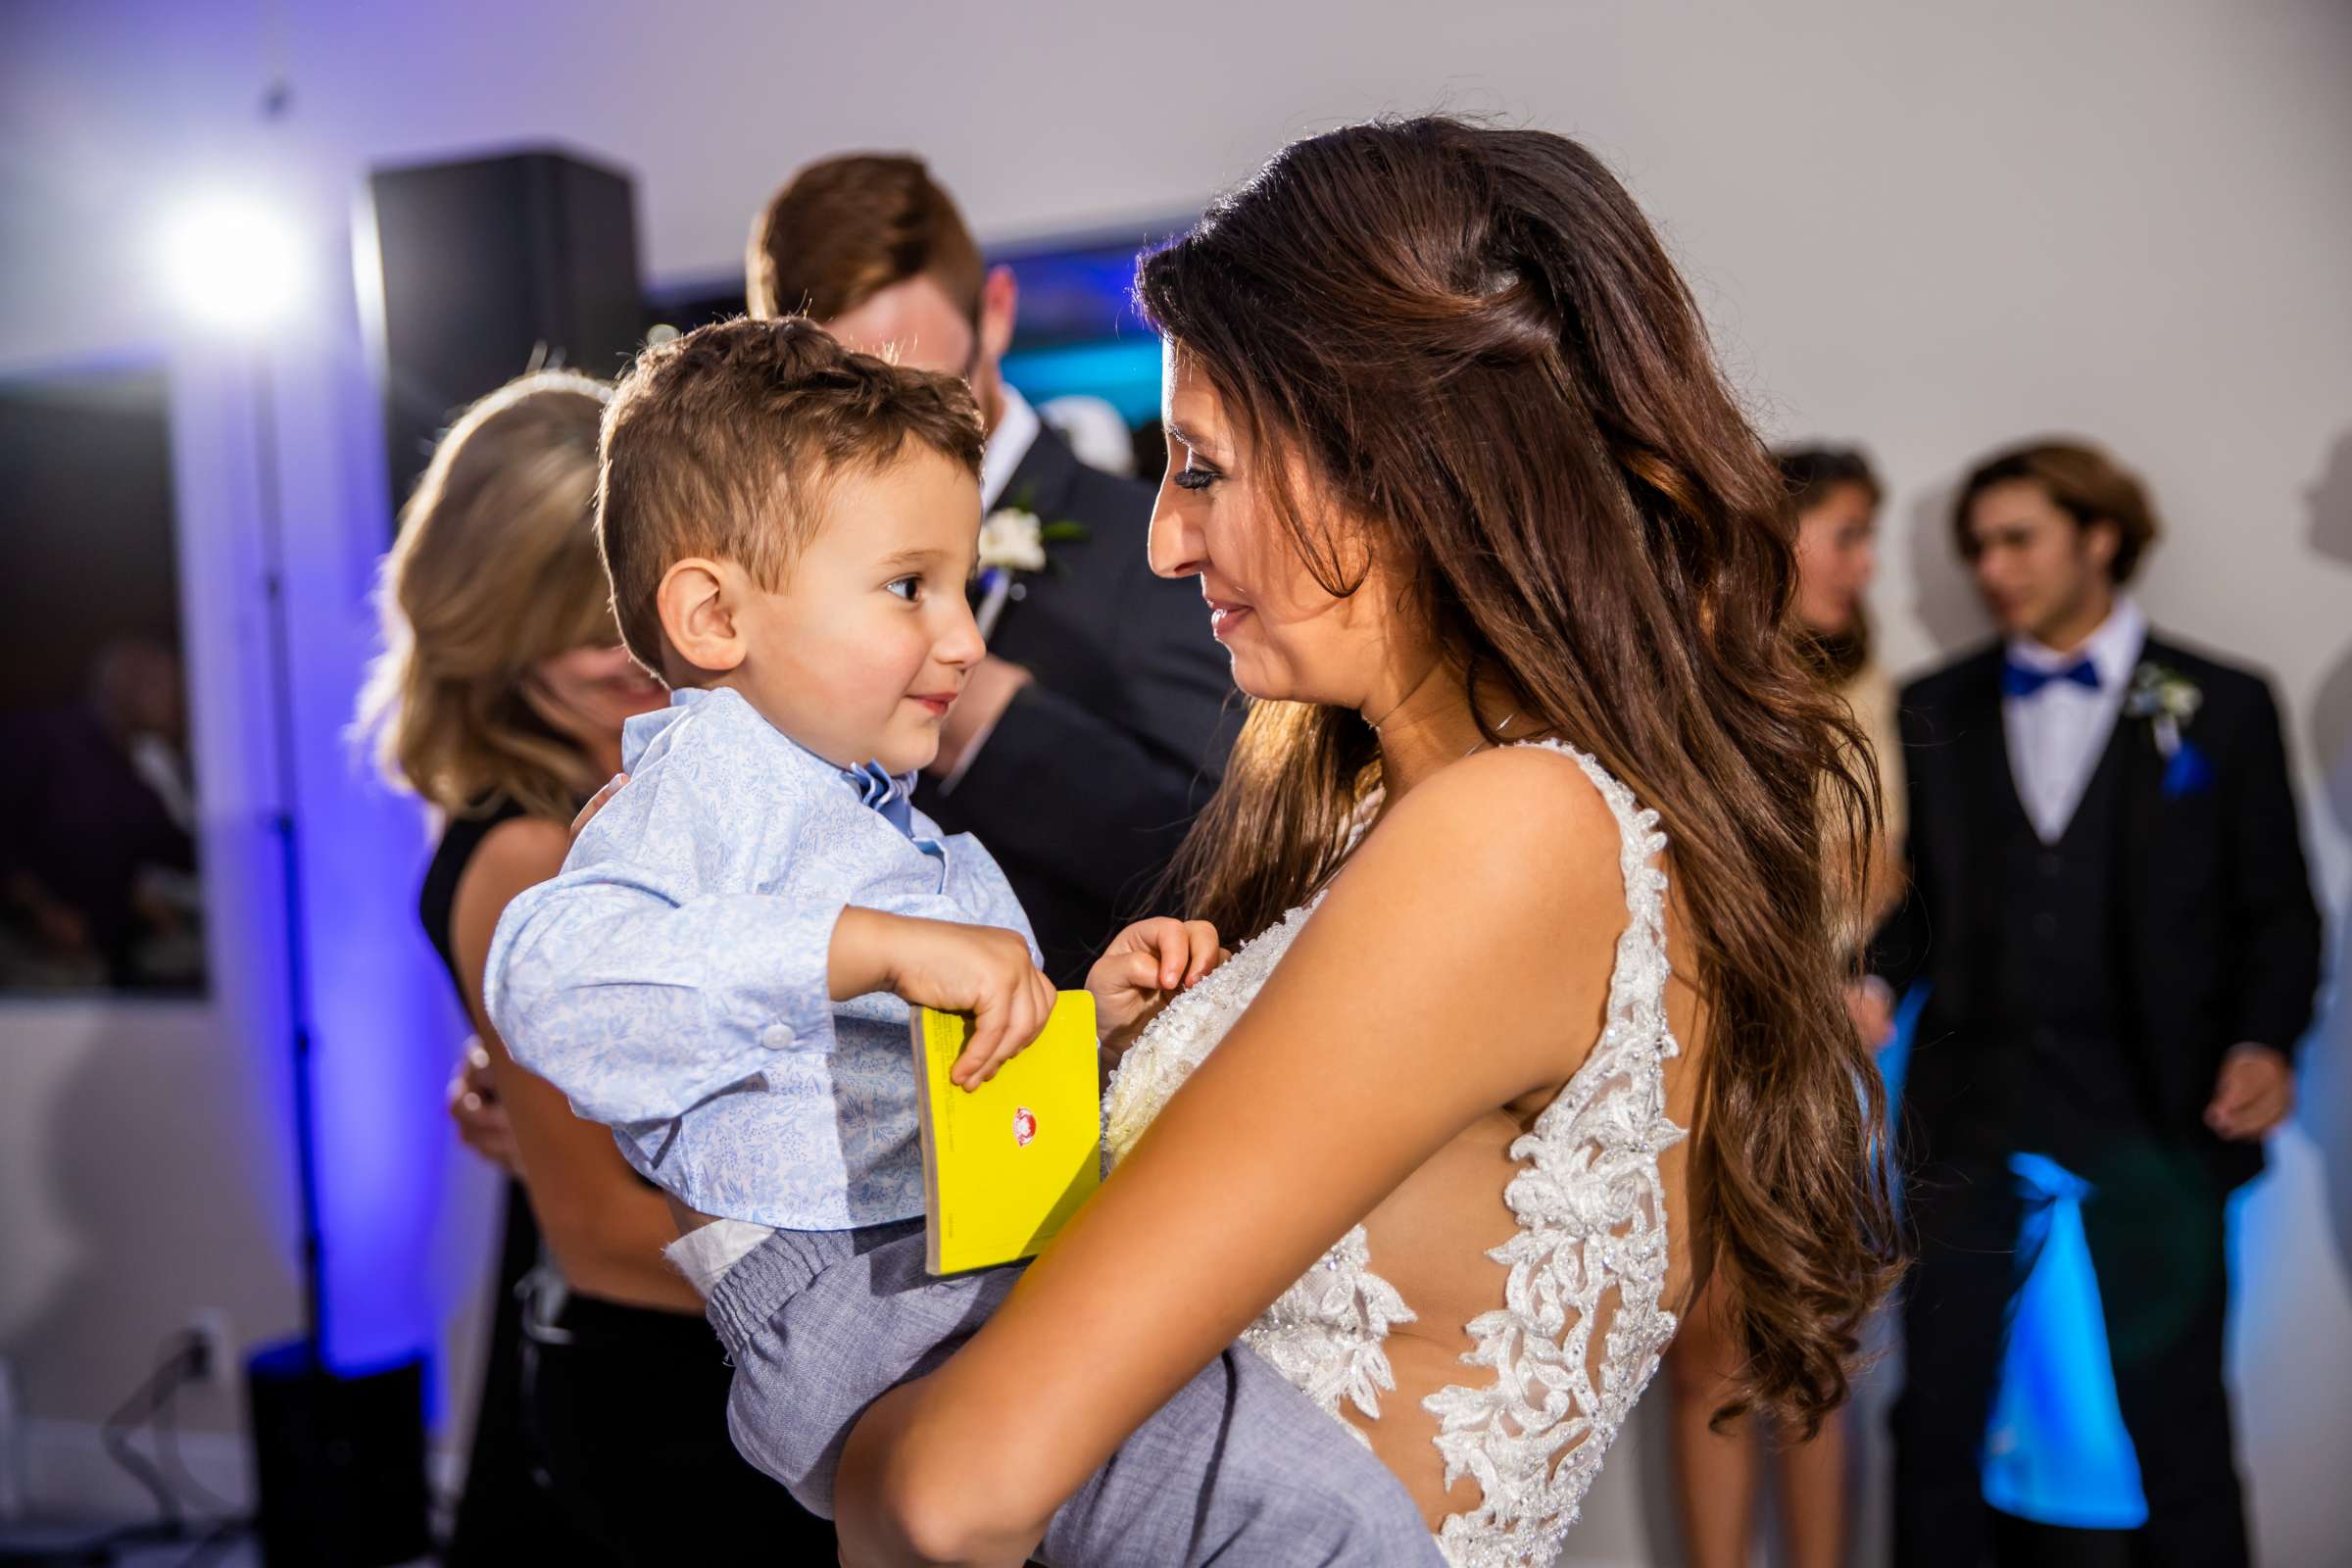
(2020, 681)
(885, 793)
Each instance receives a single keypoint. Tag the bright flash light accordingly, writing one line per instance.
(232, 262)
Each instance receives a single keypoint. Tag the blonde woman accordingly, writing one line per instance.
(1835, 497)
(499, 700)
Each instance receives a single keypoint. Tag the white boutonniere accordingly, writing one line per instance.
(1012, 539)
(2167, 699)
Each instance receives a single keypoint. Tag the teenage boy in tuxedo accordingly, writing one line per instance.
(2110, 906)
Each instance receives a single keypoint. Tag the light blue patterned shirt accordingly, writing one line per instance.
(672, 981)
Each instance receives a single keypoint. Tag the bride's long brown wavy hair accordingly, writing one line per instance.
(1480, 350)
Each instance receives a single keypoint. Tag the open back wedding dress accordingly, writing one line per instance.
(1554, 1371)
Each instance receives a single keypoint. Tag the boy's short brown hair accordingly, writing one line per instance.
(846, 228)
(2081, 482)
(722, 443)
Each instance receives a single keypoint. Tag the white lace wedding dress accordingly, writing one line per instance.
(1534, 1421)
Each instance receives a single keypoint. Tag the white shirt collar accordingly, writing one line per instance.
(2112, 650)
(1015, 433)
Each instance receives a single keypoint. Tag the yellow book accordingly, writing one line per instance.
(1008, 1164)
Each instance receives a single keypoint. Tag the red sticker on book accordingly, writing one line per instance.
(1024, 1126)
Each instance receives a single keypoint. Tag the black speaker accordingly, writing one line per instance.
(338, 1461)
(487, 268)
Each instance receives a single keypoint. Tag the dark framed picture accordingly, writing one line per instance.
(99, 885)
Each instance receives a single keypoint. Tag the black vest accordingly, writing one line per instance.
(2056, 963)
(2059, 992)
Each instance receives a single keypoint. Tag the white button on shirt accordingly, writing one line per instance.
(2057, 735)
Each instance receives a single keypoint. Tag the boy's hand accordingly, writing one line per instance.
(1148, 964)
(978, 969)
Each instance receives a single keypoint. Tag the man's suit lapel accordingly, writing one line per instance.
(1041, 484)
(1983, 743)
(2140, 808)
(1988, 789)
(1042, 481)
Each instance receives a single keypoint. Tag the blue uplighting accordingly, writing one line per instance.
(383, 1031)
(374, 1003)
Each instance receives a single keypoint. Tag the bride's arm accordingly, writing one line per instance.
(1460, 961)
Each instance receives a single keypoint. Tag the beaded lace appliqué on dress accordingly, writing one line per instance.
(1588, 1259)
(1324, 1332)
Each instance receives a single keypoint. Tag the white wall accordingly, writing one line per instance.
(1929, 229)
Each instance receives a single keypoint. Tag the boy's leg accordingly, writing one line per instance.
(818, 1325)
(1238, 1467)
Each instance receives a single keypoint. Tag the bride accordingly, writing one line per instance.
(1543, 1027)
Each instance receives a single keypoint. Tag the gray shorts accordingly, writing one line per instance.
(1238, 1468)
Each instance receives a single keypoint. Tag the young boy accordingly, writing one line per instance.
(724, 969)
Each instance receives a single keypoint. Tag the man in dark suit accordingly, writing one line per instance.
(2111, 909)
(1099, 723)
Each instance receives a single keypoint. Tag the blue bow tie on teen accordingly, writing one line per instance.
(2023, 680)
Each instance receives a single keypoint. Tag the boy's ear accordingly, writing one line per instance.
(697, 600)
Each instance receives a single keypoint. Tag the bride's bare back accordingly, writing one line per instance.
(1432, 1239)
(1492, 1318)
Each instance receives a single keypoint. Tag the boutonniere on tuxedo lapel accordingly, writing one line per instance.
(1013, 540)
(2168, 699)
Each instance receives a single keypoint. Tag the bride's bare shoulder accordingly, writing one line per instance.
(1520, 832)
(1511, 796)
(1492, 896)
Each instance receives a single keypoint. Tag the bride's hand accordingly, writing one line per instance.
(1146, 967)
(596, 804)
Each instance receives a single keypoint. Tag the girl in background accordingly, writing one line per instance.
(1718, 1468)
